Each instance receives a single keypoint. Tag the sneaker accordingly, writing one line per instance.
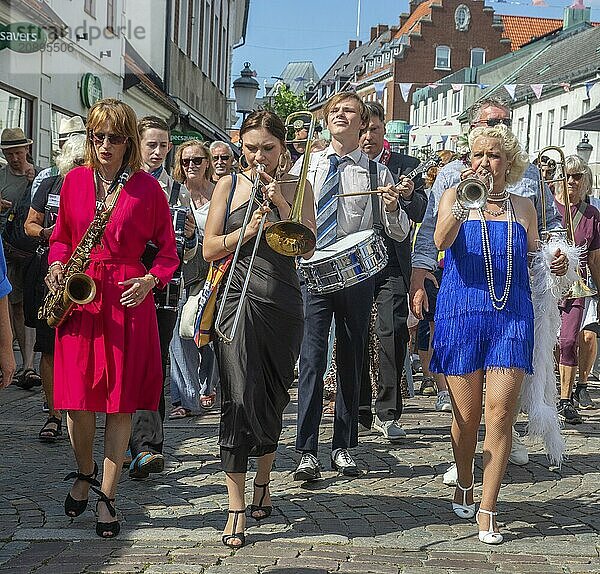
(415, 364)
(568, 413)
(443, 403)
(145, 463)
(450, 477)
(343, 462)
(308, 469)
(392, 430)
(428, 387)
(581, 396)
(518, 452)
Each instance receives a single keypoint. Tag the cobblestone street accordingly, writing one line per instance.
(396, 518)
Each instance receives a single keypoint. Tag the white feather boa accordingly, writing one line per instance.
(539, 396)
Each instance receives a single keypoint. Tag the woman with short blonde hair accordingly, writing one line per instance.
(107, 354)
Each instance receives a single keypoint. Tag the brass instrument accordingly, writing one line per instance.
(79, 288)
(256, 185)
(472, 192)
(579, 288)
(290, 236)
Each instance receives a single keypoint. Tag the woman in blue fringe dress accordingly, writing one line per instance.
(484, 315)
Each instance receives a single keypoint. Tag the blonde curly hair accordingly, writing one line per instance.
(510, 145)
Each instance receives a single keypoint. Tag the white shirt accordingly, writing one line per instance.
(355, 213)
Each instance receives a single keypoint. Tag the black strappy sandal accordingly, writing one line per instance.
(74, 508)
(50, 433)
(260, 508)
(240, 536)
(107, 529)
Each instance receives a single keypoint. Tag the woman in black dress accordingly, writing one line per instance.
(257, 368)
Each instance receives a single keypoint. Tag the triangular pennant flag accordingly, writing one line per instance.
(565, 86)
(457, 87)
(538, 3)
(511, 89)
(405, 90)
(379, 86)
(444, 140)
(428, 140)
(413, 136)
(588, 87)
(483, 86)
(537, 89)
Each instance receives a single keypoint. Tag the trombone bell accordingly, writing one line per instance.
(290, 238)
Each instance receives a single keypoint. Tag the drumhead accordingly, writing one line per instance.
(339, 246)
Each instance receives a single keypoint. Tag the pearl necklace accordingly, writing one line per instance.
(496, 213)
(103, 180)
(498, 302)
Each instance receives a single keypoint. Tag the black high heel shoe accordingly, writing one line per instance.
(73, 507)
(107, 529)
(260, 508)
(239, 536)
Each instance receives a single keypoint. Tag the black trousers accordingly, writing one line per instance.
(351, 308)
(147, 434)
(392, 332)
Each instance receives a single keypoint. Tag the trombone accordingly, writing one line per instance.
(290, 236)
(579, 288)
(256, 185)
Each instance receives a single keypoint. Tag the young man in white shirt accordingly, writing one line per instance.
(343, 160)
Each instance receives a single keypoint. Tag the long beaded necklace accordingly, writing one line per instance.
(498, 302)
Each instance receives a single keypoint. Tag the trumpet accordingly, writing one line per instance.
(256, 185)
(290, 236)
(472, 192)
(579, 288)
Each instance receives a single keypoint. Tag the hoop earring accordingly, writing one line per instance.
(243, 162)
(283, 164)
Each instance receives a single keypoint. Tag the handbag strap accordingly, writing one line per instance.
(375, 202)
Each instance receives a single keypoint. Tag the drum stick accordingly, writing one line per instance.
(354, 194)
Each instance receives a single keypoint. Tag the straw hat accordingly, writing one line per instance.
(69, 126)
(13, 137)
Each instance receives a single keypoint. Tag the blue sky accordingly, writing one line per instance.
(282, 31)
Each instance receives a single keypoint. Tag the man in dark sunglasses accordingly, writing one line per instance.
(222, 158)
(487, 112)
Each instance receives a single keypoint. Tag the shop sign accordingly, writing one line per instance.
(91, 90)
(22, 37)
(180, 137)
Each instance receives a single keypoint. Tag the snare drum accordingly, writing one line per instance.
(347, 262)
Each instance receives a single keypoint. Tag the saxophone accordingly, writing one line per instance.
(77, 287)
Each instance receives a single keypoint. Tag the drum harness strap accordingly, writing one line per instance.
(375, 202)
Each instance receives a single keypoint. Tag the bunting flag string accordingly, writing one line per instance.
(537, 89)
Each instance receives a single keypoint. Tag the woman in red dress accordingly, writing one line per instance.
(107, 356)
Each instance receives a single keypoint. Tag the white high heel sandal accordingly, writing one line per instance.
(489, 536)
(464, 510)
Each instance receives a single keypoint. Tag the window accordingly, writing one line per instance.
(550, 127)
(444, 105)
(196, 32)
(520, 129)
(111, 16)
(434, 110)
(14, 111)
(537, 131)
(183, 25)
(206, 27)
(563, 121)
(442, 58)
(90, 7)
(456, 102)
(477, 57)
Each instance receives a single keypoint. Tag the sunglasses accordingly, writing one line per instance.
(98, 138)
(575, 176)
(495, 121)
(221, 157)
(185, 162)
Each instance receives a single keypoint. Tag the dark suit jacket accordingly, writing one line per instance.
(401, 164)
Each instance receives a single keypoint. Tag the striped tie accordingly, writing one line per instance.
(327, 205)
